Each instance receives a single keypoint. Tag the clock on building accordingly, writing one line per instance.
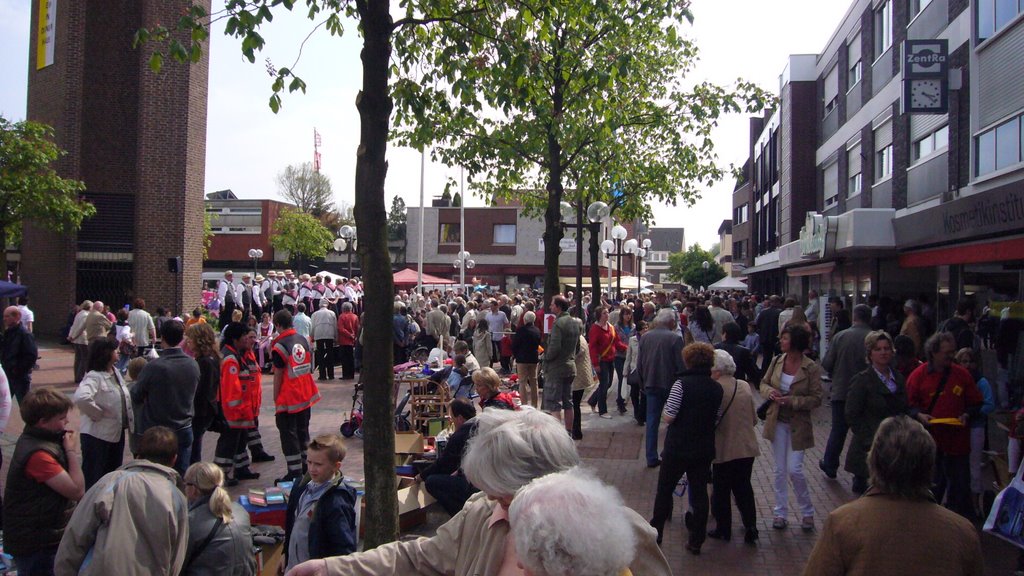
(925, 94)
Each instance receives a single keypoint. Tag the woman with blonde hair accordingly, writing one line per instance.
(220, 539)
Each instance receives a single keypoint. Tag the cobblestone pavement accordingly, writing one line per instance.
(613, 449)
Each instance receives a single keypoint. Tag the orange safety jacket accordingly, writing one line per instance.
(298, 391)
(240, 388)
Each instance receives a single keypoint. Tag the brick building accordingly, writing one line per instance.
(138, 141)
(876, 199)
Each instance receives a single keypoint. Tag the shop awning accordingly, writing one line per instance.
(814, 270)
(993, 251)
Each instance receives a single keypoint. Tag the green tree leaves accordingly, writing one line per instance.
(689, 267)
(30, 188)
(302, 235)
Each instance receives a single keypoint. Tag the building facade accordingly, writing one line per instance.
(138, 141)
(664, 241)
(899, 203)
(506, 245)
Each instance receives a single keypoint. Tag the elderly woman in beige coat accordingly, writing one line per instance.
(735, 450)
(584, 379)
(793, 385)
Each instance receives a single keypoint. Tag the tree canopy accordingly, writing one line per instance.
(689, 267)
(302, 235)
(397, 218)
(533, 98)
(307, 188)
(30, 188)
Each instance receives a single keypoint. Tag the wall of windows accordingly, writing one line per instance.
(923, 147)
(994, 15)
(999, 147)
(883, 28)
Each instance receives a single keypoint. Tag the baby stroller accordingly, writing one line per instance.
(354, 424)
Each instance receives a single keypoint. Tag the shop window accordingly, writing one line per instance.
(504, 233)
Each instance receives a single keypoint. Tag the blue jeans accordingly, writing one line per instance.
(656, 398)
(184, 449)
(37, 564)
(837, 437)
(600, 396)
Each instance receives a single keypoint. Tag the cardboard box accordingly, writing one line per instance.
(270, 559)
(413, 500)
(408, 443)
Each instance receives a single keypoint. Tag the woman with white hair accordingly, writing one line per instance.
(735, 450)
(508, 451)
(570, 523)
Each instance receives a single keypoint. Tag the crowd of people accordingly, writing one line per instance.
(710, 367)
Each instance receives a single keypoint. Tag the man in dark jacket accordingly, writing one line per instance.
(321, 509)
(768, 330)
(524, 349)
(960, 324)
(659, 362)
(845, 358)
(746, 368)
(444, 478)
(166, 388)
(18, 353)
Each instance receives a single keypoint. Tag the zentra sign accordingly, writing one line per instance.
(925, 58)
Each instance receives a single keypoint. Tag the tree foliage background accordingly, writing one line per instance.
(302, 235)
(311, 192)
(689, 267)
(30, 188)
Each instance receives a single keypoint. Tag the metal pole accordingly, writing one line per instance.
(609, 256)
(423, 170)
(639, 271)
(618, 266)
(349, 261)
(462, 229)
(579, 259)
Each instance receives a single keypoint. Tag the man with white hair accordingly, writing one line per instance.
(571, 523)
(659, 361)
(508, 451)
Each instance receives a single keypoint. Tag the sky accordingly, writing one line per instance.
(248, 145)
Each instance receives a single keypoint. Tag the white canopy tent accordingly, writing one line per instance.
(728, 283)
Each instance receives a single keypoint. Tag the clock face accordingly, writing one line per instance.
(925, 94)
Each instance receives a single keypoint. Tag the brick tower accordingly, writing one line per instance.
(138, 141)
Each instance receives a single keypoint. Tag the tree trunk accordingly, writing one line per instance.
(3, 251)
(552, 216)
(374, 105)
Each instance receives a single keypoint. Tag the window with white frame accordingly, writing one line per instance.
(883, 151)
(937, 140)
(853, 168)
(854, 71)
(830, 185)
(831, 90)
(883, 28)
(994, 15)
(999, 147)
(504, 233)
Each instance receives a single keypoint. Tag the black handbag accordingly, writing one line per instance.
(633, 379)
(762, 411)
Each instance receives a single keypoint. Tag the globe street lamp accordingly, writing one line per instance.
(346, 243)
(705, 265)
(462, 262)
(618, 235)
(596, 212)
(255, 254)
(641, 254)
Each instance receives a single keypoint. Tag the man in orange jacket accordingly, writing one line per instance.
(295, 393)
(240, 397)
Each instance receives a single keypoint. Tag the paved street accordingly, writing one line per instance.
(613, 449)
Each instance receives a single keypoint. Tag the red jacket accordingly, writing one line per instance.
(603, 343)
(958, 396)
(294, 359)
(348, 329)
(240, 393)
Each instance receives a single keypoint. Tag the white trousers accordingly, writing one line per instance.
(789, 467)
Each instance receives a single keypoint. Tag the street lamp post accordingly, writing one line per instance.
(462, 263)
(346, 243)
(616, 244)
(705, 265)
(641, 253)
(255, 254)
(596, 212)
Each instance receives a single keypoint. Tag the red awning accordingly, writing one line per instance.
(410, 277)
(993, 251)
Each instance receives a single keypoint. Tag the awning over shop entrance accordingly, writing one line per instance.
(992, 251)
